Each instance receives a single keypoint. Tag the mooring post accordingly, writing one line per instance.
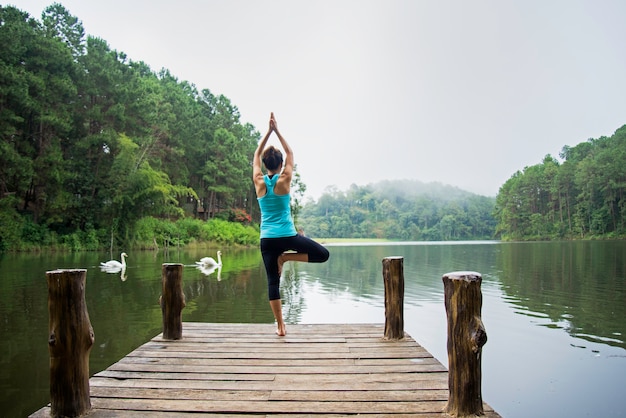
(466, 337)
(69, 343)
(172, 301)
(393, 277)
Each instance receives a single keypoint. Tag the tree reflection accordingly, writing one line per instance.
(564, 282)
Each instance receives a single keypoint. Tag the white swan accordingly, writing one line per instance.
(114, 264)
(206, 262)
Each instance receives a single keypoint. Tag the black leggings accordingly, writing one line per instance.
(272, 248)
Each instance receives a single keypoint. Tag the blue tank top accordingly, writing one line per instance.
(276, 221)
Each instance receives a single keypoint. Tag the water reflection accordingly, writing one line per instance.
(207, 271)
(115, 270)
(578, 287)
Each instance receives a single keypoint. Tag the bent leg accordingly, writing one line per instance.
(304, 249)
(315, 252)
(290, 256)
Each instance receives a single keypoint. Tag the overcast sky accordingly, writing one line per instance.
(459, 92)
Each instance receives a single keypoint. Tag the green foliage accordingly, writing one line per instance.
(12, 224)
(150, 231)
(584, 197)
(36, 236)
(298, 188)
(229, 233)
(90, 142)
(400, 210)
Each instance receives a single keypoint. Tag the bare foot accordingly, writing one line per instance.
(278, 316)
(281, 261)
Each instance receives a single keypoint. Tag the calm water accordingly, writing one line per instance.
(555, 313)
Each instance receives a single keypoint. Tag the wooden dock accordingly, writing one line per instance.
(237, 370)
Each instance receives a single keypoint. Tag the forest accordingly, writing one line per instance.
(92, 142)
(100, 151)
(584, 197)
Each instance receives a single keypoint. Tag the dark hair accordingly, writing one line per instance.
(272, 158)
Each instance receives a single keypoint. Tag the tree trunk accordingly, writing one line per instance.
(70, 341)
(393, 277)
(466, 337)
(172, 301)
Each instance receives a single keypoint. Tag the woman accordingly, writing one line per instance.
(279, 240)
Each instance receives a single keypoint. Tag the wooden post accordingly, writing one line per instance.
(393, 277)
(70, 340)
(172, 301)
(466, 337)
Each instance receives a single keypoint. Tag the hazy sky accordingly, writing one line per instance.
(460, 92)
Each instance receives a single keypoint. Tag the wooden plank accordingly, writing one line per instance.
(285, 369)
(274, 395)
(313, 407)
(256, 385)
(291, 382)
(283, 354)
(122, 377)
(224, 361)
(236, 370)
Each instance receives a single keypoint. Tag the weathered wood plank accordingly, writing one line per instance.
(261, 329)
(283, 354)
(294, 379)
(173, 393)
(274, 395)
(252, 385)
(313, 407)
(118, 375)
(224, 361)
(285, 369)
(282, 384)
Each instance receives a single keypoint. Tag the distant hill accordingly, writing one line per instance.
(400, 210)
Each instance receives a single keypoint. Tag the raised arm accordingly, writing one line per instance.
(257, 172)
(289, 162)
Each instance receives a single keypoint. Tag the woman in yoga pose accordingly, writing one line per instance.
(280, 241)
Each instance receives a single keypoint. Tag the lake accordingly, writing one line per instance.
(555, 313)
